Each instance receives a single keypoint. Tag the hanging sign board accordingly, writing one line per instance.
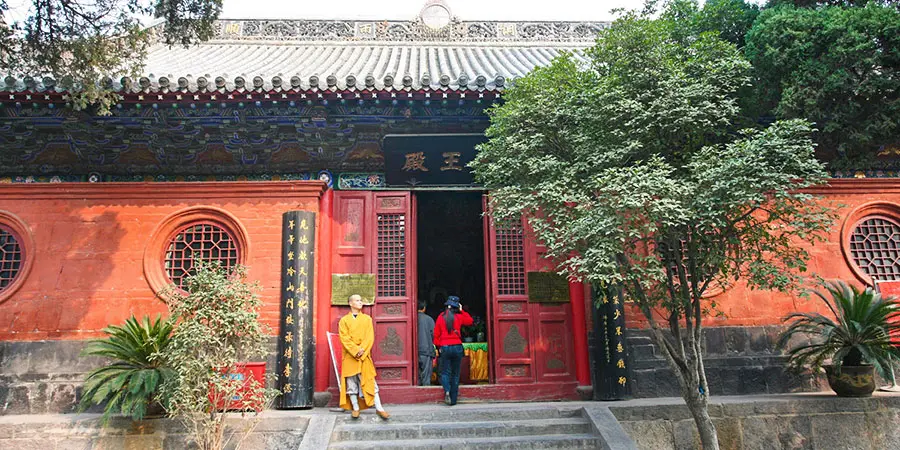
(427, 160)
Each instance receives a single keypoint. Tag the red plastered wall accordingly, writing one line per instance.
(852, 199)
(89, 242)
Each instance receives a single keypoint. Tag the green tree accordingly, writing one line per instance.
(729, 19)
(217, 327)
(838, 67)
(81, 42)
(631, 173)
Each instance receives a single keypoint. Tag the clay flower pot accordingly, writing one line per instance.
(852, 381)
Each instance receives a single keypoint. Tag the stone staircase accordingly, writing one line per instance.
(469, 426)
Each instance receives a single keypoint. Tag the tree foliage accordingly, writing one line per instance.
(838, 67)
(217, 327)
(81, 42)
(630, 170)
(729, 19)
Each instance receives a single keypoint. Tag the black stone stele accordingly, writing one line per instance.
(296, 343)
(612, 377)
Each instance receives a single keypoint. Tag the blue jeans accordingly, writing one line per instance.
(451, 358)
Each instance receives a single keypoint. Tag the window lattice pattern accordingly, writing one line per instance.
(510, 259)
(875, 248)
(11, 257)
(391, 255)
(204, 240)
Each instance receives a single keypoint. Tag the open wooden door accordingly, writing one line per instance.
(374, 234)
(511, 335)
(394, 312)
(530, 342)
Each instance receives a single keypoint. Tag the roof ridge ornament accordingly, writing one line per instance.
(436, 15)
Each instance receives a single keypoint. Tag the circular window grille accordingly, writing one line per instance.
(11, 257)
(875, 248)
(206, 241)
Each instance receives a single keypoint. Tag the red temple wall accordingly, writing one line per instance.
(89, 243)
(90, 239)
(852, 200)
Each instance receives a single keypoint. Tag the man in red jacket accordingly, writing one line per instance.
(448, 339)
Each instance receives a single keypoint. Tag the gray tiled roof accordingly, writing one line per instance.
(265, 55)
(354, 65)
(340, 55)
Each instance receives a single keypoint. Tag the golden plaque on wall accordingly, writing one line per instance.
(547, 287)
(343, 285)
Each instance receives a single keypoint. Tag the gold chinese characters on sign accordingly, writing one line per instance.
(296, 353)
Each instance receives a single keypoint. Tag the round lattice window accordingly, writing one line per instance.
(203, 232)
(12, 257)
(205, 241)
(875, 247)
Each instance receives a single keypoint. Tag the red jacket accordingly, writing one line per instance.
(443, 337)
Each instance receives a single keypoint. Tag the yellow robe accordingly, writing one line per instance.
(357, 333)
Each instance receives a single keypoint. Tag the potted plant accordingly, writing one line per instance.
(130, 383)
(852, 345)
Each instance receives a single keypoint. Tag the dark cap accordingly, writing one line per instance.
(452, 301)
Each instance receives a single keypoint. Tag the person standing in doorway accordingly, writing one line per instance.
(448, 339)
(358, 387)
(426, 346)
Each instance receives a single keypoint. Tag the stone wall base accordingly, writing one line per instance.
(270, 430)
(807, 421)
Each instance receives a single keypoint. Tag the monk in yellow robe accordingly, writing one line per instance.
(357, 334)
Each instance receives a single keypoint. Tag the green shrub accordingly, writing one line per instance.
(131, 382)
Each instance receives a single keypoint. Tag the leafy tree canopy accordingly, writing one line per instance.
(81, 42)
(632, 173)
(729, 19)
(837, 67)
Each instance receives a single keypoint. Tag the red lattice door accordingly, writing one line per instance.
(511, 335)
(394, 311)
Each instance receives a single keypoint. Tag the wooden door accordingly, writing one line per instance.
(374, 235)
(530, 342)
(554, 354)
(511, 329)
(394, 312)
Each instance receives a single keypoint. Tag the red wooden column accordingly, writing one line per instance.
(579, 329)
(323, 291)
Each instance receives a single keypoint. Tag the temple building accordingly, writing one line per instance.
(369, 125)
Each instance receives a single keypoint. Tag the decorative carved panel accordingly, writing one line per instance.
(392, 203)
(515, 371)
(392, 310)
(514, 342)
(390, 374)
(392, 344)
(353, 226)
(512, 308)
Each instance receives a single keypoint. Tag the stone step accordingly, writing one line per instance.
(467, 413)
(462, 430)
(559, 441)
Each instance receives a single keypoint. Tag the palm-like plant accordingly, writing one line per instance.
(859, 334)
(129, 384)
